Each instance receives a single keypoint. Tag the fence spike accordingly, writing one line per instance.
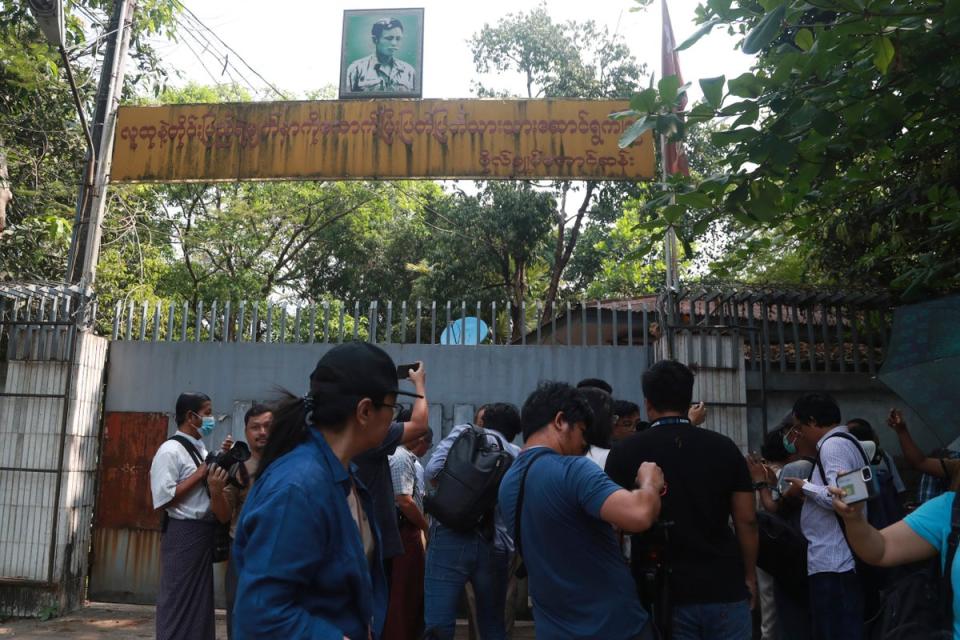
(213, 322)
(116, 320)
(171, 322)
(241, 320)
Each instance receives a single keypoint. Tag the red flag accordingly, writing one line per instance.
(675, 160)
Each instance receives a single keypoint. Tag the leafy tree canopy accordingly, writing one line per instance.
(841, 141)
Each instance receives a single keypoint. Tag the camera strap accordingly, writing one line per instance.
(191, 450)
(521, 571)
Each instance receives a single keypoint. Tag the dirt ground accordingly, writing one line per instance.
(105, 621)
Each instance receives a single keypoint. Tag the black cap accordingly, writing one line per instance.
(357, 368)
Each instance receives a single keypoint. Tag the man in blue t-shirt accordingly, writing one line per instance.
(580, 585)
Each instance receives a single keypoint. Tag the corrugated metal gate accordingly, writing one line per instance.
(240, 357)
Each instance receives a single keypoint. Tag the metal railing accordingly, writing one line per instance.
(37, 327)
(789, 331)
(415, 322)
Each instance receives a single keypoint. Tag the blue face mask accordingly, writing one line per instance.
(791, 447)
(207, 423)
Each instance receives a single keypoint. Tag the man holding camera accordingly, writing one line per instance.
(709, 569)
(256, 427)
(179, 481)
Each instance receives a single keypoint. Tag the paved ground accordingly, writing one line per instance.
(104, 621)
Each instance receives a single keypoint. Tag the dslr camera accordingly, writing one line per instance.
(231, 461)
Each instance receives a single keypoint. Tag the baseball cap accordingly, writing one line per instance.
(357, 368)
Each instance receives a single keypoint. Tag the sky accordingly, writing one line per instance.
(295, 44)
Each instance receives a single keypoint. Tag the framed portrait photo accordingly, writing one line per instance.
(381, 54)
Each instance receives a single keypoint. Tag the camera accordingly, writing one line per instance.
(230, 461)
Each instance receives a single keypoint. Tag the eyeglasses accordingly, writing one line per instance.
(397, 409)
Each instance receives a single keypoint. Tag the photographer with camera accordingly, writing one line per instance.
(256, 428)
(709, 568)
(190, 492)
(559, 507)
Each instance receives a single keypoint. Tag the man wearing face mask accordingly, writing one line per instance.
(179, 481)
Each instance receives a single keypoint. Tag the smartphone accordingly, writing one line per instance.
(857, 485)
(403, 370)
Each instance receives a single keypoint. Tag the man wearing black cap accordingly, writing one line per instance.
(307, 549)
(373, 468)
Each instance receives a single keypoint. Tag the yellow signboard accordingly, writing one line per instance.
(482, 139)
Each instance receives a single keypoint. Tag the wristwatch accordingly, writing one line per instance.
(760, 485)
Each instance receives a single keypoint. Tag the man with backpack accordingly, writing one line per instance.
(561, 506)
(468, 541)
(836, 593)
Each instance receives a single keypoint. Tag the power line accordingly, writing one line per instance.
(230, 49)
(222, 59)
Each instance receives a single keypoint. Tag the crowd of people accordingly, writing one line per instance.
(623, 528)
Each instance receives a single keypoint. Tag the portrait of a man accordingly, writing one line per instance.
(391, 41)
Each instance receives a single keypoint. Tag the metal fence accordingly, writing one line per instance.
(416, 322)
(789, 331)
(50, 391)
(782, 330)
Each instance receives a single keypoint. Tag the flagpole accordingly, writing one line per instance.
(670, 239)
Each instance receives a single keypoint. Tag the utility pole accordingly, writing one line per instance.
(91, 204)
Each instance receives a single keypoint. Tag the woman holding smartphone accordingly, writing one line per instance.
(925, 533)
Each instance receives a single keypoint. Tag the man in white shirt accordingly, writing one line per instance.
(836, 595)
(177, 474)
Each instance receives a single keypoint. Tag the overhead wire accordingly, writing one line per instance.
(222, 59)
(229, 49)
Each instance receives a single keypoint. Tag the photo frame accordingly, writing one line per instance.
(381, 54)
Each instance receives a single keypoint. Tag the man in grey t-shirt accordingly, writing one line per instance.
(373, 468)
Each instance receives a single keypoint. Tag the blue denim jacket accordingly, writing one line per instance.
(301, 569)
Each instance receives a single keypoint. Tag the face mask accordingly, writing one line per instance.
(791, 447)
(207, 423)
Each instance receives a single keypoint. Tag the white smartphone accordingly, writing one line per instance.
(857, 485)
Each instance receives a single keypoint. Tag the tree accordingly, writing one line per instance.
(39, 128)
(842, 138)
(560, 60)
(489, 244)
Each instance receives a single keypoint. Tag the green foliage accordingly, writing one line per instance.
(572, 59)
(840, 143)
(39, 127)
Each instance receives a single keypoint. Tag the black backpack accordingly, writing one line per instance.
(467, 486)
(919, 603)
(782, 552)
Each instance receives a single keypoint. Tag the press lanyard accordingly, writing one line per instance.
(670, 420)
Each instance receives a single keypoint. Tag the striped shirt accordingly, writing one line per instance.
(827, 550)
(403, 473)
